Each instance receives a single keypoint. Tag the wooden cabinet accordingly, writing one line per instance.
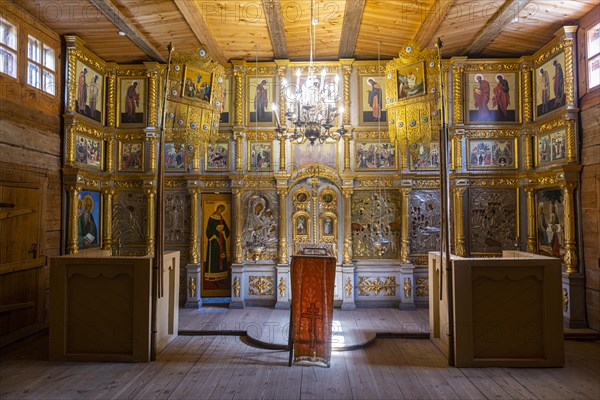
(313, 280)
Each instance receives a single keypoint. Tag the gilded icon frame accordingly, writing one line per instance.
(129, 161)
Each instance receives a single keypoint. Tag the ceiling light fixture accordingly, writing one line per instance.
(312, 103)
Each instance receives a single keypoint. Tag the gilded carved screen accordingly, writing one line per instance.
(177, 217)
(493, 216)
(372, 211)
(261, 230)
(424, 214)
(129, 216)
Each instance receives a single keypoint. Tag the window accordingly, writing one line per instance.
(40, 65)
(593, 56)
(8, 48)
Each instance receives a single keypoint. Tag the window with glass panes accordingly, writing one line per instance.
(593, 56)
(41, 65)
(8, 48)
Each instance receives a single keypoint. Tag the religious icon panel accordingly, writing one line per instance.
(131, 155)
(88, 219)
(550, 85)
(217, 156)
(551, 147)
(197, 84)
(132, 106)
(260, 156)
(90, 92)
(89, 151)
(550, 222)
(491, 154)
(216, 245)
(411, 81)
(260, 94)
(372, 100)
(492, 97)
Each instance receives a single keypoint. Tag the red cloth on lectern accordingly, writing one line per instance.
(313, 280)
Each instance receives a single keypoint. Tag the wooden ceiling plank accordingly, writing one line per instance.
(353, 14)
(432, 22)
(193, 16)
(121, 22)
(505, 14)
(274, 18)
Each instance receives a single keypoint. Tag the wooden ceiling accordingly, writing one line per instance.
(279, 29)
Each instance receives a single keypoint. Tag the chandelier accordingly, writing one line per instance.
(311, 104)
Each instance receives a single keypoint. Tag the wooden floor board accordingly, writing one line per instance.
(225, 367)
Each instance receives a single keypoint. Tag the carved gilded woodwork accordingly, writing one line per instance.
(346, 72)
(570, 256)
(111, 90)
(194, 233)
(192, 287)
(459, 230)
(282, 287)
(72, 243)
(107, 196)
(261, 285)
(405, 235)
(528, 96)
(368, 286)
(370, 211)
(346, 153)
(422, 289)
(492, 220)
(348, 287)
(424, 218)
(261, 230)
(457, 74)
(283, 255)
(348, 252)
(532, 244)
(407, 288)
(236, 286)
(238, 255)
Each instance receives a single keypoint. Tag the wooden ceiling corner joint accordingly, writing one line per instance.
(433, 20)
(505, 14)
(193, 16)
(119, 20)
(276, 28)
(353, 14)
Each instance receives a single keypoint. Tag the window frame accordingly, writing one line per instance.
(590, 58)
(14, 51)
(39, 61)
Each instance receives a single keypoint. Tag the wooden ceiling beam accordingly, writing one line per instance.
(120, 21)
(350, 27)
(193, 16)
(432, 22)
(276, 29)
(505, 14)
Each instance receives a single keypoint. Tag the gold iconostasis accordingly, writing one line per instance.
(239, 202)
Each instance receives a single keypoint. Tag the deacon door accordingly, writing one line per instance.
(314, 215)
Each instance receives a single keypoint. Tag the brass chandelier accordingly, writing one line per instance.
(311, 104)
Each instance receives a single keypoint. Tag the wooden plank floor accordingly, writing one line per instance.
(224, 367)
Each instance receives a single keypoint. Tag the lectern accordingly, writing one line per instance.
(313, 280)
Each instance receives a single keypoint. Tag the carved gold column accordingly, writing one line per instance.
(194, 232)
(238, 136)
(198, 149)
(107, 210)
(527, 93)
(111, 93)
(238, 75)
(346, 153)
(457, 93)
(72, 245)
(528, 150)
(153, 77)
(531, 220)
(238, 255)
(571, 149)
(110, 151)
(568, 41)
(347, 191)
(570, 257)
(405, 241)
(283, 256)
(347, 71)
(70, 153)
(151, 195)
(153, 154)
(459, 229)
(457, 156)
